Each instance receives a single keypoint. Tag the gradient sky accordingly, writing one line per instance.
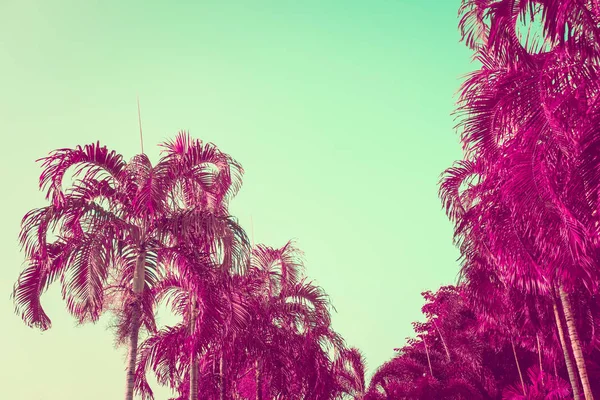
(339, 112)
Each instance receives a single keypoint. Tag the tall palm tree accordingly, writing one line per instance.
(112, 221)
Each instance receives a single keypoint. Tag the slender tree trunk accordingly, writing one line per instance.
(428, 359)
(539, 349)
(193, 376)
(568, 362)
(576, 345)
(258, 380)
(193, 358)
(138, 288)
(518, 366)
(442, 338)
(223, 388)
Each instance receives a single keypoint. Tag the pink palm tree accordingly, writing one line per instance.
(289, 331)
(113, 221)
(350, 367)
(183, 357)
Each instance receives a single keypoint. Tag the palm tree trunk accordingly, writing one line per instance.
(138, 288)
(428, 359)
(223, 390)
(518, 366)
(193, 377)
(193, 358)
(442, 338)
(576, 344)
(258, 380)
(537, 338)
(568, 362)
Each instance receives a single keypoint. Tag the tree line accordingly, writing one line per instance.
(521, 323)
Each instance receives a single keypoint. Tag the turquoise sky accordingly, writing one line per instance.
(339, 112)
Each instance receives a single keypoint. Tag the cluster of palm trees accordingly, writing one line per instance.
(524, 199)
(459, 354)
(126, 237)
(522, 323)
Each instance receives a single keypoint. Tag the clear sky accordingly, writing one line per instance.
(339, 112)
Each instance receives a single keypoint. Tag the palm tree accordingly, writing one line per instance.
(181, 357)
(350, 372)
(112, 221)
(289, 330)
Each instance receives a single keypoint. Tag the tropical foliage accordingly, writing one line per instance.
(521, 323)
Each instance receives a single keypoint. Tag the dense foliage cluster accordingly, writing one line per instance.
(522, 322)
(126, 237)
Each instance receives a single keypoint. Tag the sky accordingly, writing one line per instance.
(339, 112)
